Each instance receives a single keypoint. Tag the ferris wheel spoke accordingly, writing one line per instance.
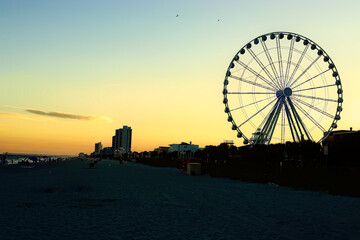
(264, 68)
(307, 89)
(302, 74)
(266, 118)
(274, 122)
(252, 83)
(310, 79)
(266, 133)
(250, 93)
(250, 104)
(300, 124)
(257, 113)
(256, 74)
(306, 130)
(297, 65)
(283, 125)
(289, 60)
(315, 108)
(315, 98)
(272, 65)
(290, 121)
(281, 70)
(310, 117)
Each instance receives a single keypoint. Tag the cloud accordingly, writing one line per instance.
(91, 118)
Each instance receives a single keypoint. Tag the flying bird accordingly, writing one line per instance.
(177, 15)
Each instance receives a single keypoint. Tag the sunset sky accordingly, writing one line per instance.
(71, 72)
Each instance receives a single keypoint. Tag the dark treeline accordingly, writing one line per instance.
(297, 165)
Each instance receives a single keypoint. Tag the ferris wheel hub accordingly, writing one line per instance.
(287, 92)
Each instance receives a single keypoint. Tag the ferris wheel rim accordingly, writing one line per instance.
(289, 91)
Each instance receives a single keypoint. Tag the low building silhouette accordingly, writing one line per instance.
(107, 152)
(184, 150)
(342, 148)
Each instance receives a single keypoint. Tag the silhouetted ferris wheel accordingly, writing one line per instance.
(281, 87)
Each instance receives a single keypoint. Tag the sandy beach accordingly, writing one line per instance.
(67, 200)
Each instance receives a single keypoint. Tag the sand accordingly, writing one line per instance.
(68, 200)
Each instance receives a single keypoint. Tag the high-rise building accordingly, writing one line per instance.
(113, 143)
(98, 147)
(122, 140)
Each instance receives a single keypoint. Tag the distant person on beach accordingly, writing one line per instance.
(3, 160)
(91, 164)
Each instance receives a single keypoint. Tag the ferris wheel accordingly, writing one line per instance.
(280, 87)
